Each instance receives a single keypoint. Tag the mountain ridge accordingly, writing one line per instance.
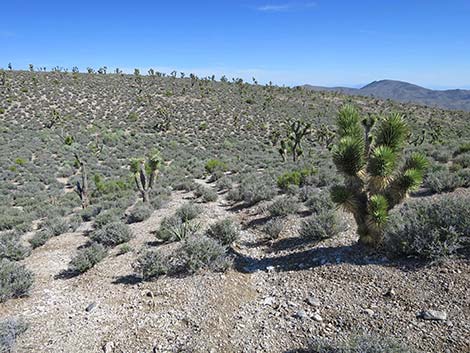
(452, 99)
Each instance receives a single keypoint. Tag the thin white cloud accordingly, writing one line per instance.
(285, 7)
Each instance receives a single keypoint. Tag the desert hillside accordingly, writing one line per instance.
(173, 213)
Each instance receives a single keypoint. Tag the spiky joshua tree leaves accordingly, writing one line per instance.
(368, 154)
(145, 173)
(295, 132)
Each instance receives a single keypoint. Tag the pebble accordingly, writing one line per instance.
(301, 314)
(433, 315)
(313, 301)
(369, 312)
(317, 317)
(109, 347)
(90, 307)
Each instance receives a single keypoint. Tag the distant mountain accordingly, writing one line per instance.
(455, 99)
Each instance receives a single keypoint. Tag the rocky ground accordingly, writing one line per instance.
(279, 295)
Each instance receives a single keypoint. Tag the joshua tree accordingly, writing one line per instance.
(145, 173)
(10, 67)
(292, 142)
(82, 187)
(368, 155)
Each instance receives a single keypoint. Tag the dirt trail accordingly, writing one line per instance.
(123, 312)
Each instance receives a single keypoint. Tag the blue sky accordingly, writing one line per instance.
(322, 42)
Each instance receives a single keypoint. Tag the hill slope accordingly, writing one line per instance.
(456, 99)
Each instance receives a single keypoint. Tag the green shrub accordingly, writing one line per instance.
(283, 206)
(431, 228)
(124, 249)
(214, 165)
(90, 212)
(322, 225)
(112, 234)
(225, 231)
(152, 264)
(139, 213)
(274, 227)
(88, 257)
(10, 329)
(296, 177)
(11, 247)
(201, 252)
(188, 212)
(15, 280)
(40, 238)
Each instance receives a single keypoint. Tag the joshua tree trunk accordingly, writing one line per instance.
(82, 188)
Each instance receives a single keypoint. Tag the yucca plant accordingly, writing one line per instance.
(368, 153)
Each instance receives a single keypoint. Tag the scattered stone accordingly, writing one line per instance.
(313, 301)
(317, 317)
(90, 307)
(390, 293)
(268, 301)
(301, 314)
(109, 347)
(433, 315)
(369, 312)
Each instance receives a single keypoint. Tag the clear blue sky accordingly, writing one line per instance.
(323, 42)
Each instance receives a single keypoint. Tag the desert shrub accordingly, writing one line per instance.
(463, 160)
(318, 201)
(74, 222)
(225, 231)
(283, 206)
(322, 225)
(357, 344)
(206, 193)
(253, 190)
(442, 181)
(15, 280)
(202, 252)
(10, 329)
(88, 257)
(124, 249)
(89, 213)
(56, 226)
(224, 183)
(463, 148)
(188, 212)
(174, 229)
(11, 247)
(431, 229)
(139, 213)
(296, 177)
(464, 175)
(214, 165)
(112, 234)
(274, 227)
(152, 264)
(40, 237)
(12, 218)
(186, 185)
(442, 156)
(109, 216)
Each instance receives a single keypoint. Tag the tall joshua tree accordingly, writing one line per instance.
(368, 154)
(145, 173)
